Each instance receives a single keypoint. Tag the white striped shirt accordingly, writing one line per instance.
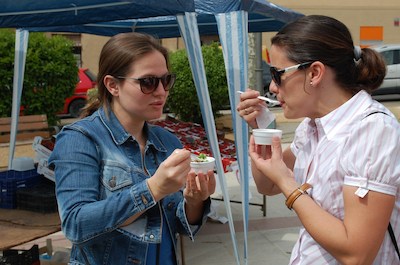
(348, 147)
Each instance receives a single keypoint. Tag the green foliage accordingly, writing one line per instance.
(50, 74)
(7, 47)
(183, 99)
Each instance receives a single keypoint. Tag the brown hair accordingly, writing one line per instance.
(116, 59)
(325, 39)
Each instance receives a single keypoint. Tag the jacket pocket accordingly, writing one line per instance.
(115, 176)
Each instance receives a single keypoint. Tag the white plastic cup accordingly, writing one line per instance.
(203, 166)
(264, 136)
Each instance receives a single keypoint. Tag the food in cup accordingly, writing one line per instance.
(202, 163)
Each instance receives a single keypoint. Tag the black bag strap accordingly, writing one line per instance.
(390, 228)
(375, 112)
(391, 233)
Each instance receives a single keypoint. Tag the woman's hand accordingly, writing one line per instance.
(269, 160)
(199, 187)
(250, 106)
(170, 175)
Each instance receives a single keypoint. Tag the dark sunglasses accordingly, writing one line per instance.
(277, 74)
(149, 84)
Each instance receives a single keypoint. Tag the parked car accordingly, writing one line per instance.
(74, 104)
(391, 83)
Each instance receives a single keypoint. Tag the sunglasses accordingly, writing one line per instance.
(149, 84)
(277, 74)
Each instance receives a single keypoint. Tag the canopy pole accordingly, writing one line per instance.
(21, 46)
(190, 33)
(233, 33)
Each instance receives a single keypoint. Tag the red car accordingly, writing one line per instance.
(73, 104)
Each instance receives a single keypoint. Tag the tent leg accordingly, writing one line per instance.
(181, 238)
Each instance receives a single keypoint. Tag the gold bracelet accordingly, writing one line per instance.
(296, 194)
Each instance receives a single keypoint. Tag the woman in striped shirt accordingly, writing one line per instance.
(341, 173)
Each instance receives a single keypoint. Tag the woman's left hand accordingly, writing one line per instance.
(269, 160)
(199, 187)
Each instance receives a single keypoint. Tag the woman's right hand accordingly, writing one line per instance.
(269, 161)
(249, 107)
(170, 175)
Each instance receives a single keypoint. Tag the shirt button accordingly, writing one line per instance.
(363, 183)
(151, 236)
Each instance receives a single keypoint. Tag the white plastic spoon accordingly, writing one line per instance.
(275, 102)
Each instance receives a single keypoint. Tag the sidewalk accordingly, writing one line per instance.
(270, 238)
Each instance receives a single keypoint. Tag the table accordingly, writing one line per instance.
(18, 226)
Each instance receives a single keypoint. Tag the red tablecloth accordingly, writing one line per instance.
(194, 138)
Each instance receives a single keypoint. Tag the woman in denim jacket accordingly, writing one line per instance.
(124, 187)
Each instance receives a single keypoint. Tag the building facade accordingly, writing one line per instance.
(370, 22)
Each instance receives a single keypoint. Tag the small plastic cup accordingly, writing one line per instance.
(203, 166)
(264, 136)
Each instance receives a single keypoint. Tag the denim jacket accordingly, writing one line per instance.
(101, 182)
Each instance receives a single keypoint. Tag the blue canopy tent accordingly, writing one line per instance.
(32, 13)
(231, 19)
(272, 19)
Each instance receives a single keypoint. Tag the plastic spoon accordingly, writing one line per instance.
(275, 102)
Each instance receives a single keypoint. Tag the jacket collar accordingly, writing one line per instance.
(120, 135)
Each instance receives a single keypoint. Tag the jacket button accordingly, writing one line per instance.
(144, 200)
(170, 206)
(112, 182)
(133, 261)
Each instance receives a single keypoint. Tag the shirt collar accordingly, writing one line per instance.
(338, 120)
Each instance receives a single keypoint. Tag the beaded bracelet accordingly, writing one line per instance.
(296, 194)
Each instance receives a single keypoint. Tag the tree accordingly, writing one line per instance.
(183, 100)
(50, 74)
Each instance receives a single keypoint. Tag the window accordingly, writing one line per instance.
(388, 56)
(391, 57)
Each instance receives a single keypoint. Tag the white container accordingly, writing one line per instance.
(264, 136)
(203, 166)
(23, 164)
